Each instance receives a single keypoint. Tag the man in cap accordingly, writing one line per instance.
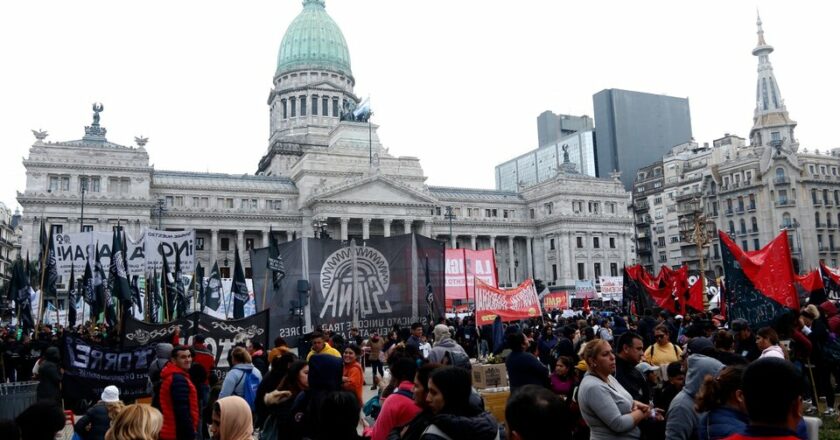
(745, 345)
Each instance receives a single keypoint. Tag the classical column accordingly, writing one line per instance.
(386, 227)
(530, 271)
(265, 238)
(240, 241)
(214, 246)
(510, 260)
(290, 235)
(344, 222)
(590, 250)
(493, 243)
(570, 257)
(472, 242)
(407, 226)
(453, 241)
(365, 228)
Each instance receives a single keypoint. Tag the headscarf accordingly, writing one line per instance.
(235, 422)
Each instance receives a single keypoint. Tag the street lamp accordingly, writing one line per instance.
(161, 208)
(449, 215)
(700, 231)
(319, 225)
(83, 183)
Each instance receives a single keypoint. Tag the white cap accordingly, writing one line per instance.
(110, 394)
(644, 367)
(678, 317)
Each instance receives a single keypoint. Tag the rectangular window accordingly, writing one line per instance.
(170, 201)
(314, 106)
(612, 242)
(551, 244)
(87, 228)
(325, 106)
(179, 200)
(205, 202)
(195, 202)
(744, 245)
(613, 269)
(755, 244)
(597, 267)
(554, 272)
(581, 271)
(303, 105)
(249, 244)
(335, 107)
(549, 208)
(531, 213)
(56, 229)
(199, 243)
(224, 244)
(579, 242)
(293, 104)
(596, 242)
(660, 241)
(54, 183)
(65, 183)
(224, 272)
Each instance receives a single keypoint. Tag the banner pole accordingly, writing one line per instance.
(265, 288)
(195, 292)
(166, 298)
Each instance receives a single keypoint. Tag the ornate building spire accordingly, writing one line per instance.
(771, 124)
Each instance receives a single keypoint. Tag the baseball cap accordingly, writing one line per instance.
(645, 368)
(698, 346)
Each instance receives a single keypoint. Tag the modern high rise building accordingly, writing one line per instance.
(633, 129)
(552, 127)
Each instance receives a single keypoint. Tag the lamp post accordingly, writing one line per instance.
(450, 216)
(161, 208)
(700, 231)
(83, 183)
(319, 225)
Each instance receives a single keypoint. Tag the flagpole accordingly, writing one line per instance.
(265, 288)
(41, 287)
(166, 298)
(195, 293)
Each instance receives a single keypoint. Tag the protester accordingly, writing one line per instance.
(532, 412)
(425, 346)
(455, 417)
(816, 330)
(744, 340)
(49, 377)
(279, 367)
(399, 407)
(279, 402)
(443, 345)
(163, 352)
(663, 396)
(725, 349)
(40, 421)
(259, 358)
(136, 422)
(96, 421)
(320, 346)
(774, 411)
(663, 351)
(325, 373)
(630, 350)
(178, 397)
(353, 374)
(563, 380)
(241, 377)
(524, 368)
(681, 419)
(767, 341)
(416, 332)
(720, 403)
(608, 409)
(414, 429)
(545, 345)
(232, 419)
(375, 345)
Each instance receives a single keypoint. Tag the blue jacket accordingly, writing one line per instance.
(234, 384)
(722, 422)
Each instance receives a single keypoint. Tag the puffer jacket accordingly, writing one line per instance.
(720, 423)
(479, 427)
(178, 404)
(97, 418)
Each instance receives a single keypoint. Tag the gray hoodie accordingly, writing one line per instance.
(441, 347)
(681, 419)
(163, 351)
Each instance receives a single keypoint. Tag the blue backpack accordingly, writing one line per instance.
(249, 393)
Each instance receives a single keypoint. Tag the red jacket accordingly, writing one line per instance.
(178, 403)
(206, 359)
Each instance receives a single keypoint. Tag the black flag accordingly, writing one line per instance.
(274, 262)
(181, 293)
(51, 275)
(238, 289)
(136, 300)
(100, 289)
(166, 284)
(199, 284)
(21, 287)
(155, 300)
(213, 293)
(72, 298)
(430, 294)
(119, 276)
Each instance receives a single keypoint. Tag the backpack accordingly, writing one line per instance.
(457, 359)
(249, 393)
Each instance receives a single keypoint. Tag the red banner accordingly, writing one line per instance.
(463, 266)
(556, 300)
(521, 302)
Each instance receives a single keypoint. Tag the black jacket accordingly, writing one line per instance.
(524, 369)
(479, 427)
(49, 377)
(97, 418)
(632, 380)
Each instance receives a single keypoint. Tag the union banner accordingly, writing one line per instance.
(514, 304)
(556, 301)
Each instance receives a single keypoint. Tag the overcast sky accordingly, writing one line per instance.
(458, 84)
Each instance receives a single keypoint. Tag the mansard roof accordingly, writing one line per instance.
(483, 195)
(187, 179)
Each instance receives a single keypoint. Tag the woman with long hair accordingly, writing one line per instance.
(455, 417)
(720, 403)
(278, 403)
(767, 341)
(606, 406)
(136, 422)
(279, 367)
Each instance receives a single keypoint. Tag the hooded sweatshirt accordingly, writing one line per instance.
(479, 427)
(441, 347)
(830, 310)
(49, 376)
(234, 384)
(235, 422)
(681, 419)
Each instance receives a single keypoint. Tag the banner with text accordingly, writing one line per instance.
(76, 248)
(585, 289)
(158, 243)
(512, 305)
(285, 304)
(556, 301)
(89, 368)
(612, 288)
(463, 266)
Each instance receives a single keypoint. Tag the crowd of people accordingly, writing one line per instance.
(599, 374)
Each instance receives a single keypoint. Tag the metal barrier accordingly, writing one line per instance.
(16, 397)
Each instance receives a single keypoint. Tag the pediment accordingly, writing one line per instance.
(373, 190)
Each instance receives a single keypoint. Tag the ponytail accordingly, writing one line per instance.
(716, 391)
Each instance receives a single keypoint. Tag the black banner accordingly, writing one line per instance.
(89, 368)
(221, 335)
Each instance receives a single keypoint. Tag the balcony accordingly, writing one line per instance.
(643, 221)
(751, 208)
(641, 205)
(785, 202)
(729, 212)
(817, 202)
(739, 210)
(781, 180)
(820, 225)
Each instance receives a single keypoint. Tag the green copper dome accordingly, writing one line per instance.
(314, 41)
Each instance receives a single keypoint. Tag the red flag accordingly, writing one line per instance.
(769, 269)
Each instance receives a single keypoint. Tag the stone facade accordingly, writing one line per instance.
(325, 169)
(10, 234)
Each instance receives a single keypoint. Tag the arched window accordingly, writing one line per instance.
(786, 223)
(731, 227)
(828, 220)
(825, 196)
(285, 109)
(814, 196)
(314, 105)
(817, 219)
(743, 226)
(754, 224)
(780, 173)
(293, 104)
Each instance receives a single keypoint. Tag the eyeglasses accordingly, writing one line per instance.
(659, 336)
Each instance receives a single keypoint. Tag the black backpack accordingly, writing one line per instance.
(457, 359)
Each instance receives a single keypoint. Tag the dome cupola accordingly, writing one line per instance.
(314, 41)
